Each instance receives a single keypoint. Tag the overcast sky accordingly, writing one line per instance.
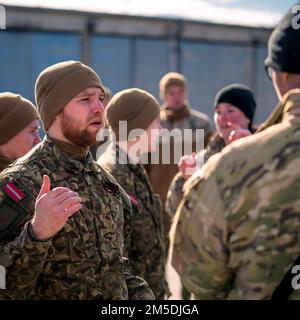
(244, 12)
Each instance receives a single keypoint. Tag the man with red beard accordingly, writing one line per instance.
(65, 241)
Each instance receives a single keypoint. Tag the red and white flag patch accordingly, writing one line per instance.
(13, 192)
(133, 200)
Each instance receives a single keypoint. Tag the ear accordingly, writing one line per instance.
(286, 76)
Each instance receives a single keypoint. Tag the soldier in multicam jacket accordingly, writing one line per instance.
(66, 240)
(146, 249)
(18, 127)
(238, 228)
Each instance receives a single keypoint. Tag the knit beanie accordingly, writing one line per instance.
(59, 84)
(138, 107)
(284, 45)
(171, 79)
(239, 96)
(16, 113)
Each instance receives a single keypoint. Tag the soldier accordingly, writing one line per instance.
(234, 109)
(146, 250)
(18, 127)
(68, 243)
(176, 113)
(238, 227)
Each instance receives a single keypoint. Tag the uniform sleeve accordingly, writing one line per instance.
(138, 288)
(21, 254)
(200, 251)
(174, 196)
(23, 259)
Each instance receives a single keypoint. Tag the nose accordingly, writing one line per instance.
(98, 106)
(222, 117)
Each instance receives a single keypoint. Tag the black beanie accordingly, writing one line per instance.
(284, 45)
(239, 96)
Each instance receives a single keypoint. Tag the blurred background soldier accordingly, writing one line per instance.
(19, 127)
(146, 248)
(234, 108)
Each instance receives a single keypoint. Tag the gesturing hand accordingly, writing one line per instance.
(52, 209)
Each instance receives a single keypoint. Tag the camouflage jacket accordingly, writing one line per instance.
(146, 250)
(238, 228)
(4, 162)
(175, 192)
(85, 259)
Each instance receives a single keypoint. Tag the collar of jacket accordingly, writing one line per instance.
(174, 115)
(289, 105)
(66, 160)
(4, 162)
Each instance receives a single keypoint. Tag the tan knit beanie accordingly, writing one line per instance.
(16, 113)
(138, 107)
(171, 79)
(59, 84)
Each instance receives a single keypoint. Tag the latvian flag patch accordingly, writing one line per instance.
(13, 192)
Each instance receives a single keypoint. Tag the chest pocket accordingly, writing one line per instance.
(16, 208)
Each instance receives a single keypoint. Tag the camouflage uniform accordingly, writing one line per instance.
(175, 192)
(4, 162)
(84, 260)
(238, 228)
(146, 250)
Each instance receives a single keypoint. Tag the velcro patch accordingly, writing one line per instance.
(13, 192)
(16, 207)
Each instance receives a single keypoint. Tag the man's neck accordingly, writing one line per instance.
(75, 151)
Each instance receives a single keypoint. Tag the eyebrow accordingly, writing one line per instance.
(89, 94)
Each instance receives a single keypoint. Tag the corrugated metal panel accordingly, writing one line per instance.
(124, 62)
(111, 58)
(209, 67)
(24, 55)
(130, 62)
(152, 61)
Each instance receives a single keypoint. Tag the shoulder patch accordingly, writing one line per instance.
(16, 207)
(13, 192)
